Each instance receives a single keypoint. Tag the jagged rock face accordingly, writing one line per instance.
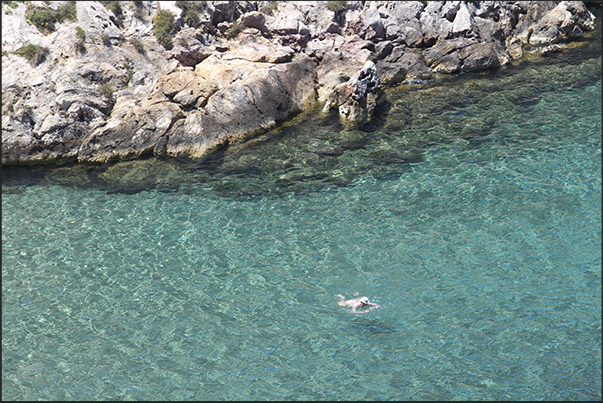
(228, 99)
(566, 20)
(357, 98)
(136, 133)
(60, 102)
(124, 95)
(365, 95)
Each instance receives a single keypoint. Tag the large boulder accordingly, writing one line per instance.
(403, 24)
(288, 21)
(254, 19)
(57, 140)
(390, 74)
(482, 56)
(411, 61)
(338, 65)
(189, 50)
(259, 49)
(372, 24)
(135, 133)
(567, 20)
(462, 24)
(249, 105)
(444, 55)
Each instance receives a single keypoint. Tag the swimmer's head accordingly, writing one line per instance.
(364, 301)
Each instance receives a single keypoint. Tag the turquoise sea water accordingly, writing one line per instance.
(485, 257)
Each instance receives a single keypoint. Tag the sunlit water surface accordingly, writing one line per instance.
(484, 256)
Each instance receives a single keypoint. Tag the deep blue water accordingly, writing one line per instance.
(484, 256)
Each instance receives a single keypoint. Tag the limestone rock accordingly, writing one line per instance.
(463, 21)
(81, 112)
(416, 68)
(568, 19)
(390, 74)
(356, 98)
(64, 95)
(383, 49)
(479, 56)
(108, 101)
(221, 72)
(311, 18)
(259, 49)
(365, 81)
(444, 55)
(192, 54)
(317, 48)
(288, 22)
(340, 63)
(404, 22)
(222, 11)
(254, 19)
(57, 140)
(433, 26)
(249, 105)
(372, 25)
(413, 38)
(134, 134)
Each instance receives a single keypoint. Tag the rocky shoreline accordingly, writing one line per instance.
(109, 86)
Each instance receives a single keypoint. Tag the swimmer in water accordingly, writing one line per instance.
(357, 302)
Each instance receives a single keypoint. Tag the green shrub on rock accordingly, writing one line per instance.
(106, 39)
(139, 14)
(336, 5)
(138, 46)
(164, 26)
(235, 30)
(35, 54)
(115, 8)
(130, 74)
(191, 11)
(11, 4)
(106, 90)
(81, 34)
(45, 18)
(270, 8)
(67, 12)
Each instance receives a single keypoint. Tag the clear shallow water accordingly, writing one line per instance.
(485, 255)
(486, 259)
